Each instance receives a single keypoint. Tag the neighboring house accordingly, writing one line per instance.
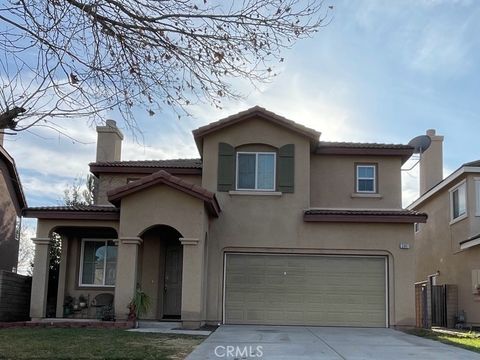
(447, 246)
(12, 201)
(269, 226)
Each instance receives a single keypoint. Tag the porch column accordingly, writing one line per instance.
(192, 283)
(126, 278)
(62, 276)
(38, 300)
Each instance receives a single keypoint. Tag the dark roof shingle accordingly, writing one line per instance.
(358, 145)
(352, 215)
(170, 163)
(174, 166)
(472, 163)
(74, 212)
(89, 208)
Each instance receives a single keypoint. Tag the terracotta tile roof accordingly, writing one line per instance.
(363, 145)
(15, 178)
(374, 149)
(76, 212)
(170, 163)
(115, 195)
(176, 166)
(352, 215)
(89, 208)
(258, 112)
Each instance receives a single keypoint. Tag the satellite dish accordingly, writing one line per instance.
(420, 143)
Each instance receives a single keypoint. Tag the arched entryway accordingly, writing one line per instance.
(160, 271)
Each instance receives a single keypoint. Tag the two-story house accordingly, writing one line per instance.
(269, 226)
(12, 201)
(447, 246)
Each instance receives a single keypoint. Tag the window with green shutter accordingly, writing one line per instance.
(256, 170)
(286, 168)
(226, 167)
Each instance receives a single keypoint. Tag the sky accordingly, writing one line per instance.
(381, 71)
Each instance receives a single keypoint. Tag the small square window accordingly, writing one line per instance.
(256, 171)
(366, 179)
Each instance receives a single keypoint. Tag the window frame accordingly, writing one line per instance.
(451, 191)
(80, 273)
(375, 175)
(256, 170)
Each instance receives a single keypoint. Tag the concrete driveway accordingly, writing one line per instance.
(302, 343)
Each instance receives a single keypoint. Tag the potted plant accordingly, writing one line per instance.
(67, 306)
(138, 306)
(82, 301)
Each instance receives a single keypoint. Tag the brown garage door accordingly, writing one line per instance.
(305, 290)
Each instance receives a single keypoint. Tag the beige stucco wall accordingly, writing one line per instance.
(163, 205)
(438, 247)
(322, 238)
(111, 181)
(8, 219)
(275, 223)
(338, 172)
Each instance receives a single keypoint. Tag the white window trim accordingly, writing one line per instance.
(80, 275)
(256, 169)
(450, 195)
(477, 195)
(357, 178)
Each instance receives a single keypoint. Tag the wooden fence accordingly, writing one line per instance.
(14, 296)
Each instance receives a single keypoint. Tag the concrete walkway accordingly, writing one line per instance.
(166, 327)
(302, 343)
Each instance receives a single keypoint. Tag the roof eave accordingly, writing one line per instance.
(115, 195)
(255, 112)
(442, 184)
(105, 169)
(15, 178)
(362, 218)
(405, 154)
(70, 215)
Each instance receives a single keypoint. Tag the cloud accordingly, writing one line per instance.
(441, 47)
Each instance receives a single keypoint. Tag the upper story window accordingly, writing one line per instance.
(98, 262)
(458, 201)
(366, 175)
(256, 171)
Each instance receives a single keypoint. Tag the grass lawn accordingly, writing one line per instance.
(93, 344)
(466, 341)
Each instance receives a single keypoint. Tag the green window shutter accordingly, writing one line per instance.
(226, 167)
(286, 168)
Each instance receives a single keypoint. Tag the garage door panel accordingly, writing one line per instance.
(305, 290)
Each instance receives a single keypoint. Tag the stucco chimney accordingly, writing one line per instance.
(431, 163)
(109, 142)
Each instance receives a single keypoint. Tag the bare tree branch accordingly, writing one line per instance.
(86, 58)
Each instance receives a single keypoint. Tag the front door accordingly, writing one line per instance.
(172, 303)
